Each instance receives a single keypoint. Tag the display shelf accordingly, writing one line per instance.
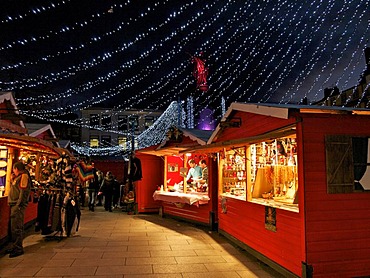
(234, 174)
(273, 170)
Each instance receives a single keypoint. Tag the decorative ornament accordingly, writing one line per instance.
(200, 71)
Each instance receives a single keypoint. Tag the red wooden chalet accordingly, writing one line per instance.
(294, 184)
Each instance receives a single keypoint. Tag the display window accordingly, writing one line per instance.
(233, 165)
(3, 169)
(186, 180)
(264, 172)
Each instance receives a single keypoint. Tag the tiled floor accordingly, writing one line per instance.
(114, 244)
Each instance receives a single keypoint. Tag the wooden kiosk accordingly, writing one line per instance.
(177, 198)
(294, 184)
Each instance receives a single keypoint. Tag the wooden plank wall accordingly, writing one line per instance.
(246, 222)
(337, 225)
(4, 218)
(252, 125)
(188, 212)
(29, 217)
(152, 168)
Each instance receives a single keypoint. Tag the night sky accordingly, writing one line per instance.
(61, 56)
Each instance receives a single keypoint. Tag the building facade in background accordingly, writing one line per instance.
(104, 127)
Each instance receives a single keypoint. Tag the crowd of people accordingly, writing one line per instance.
(102, 190)
(106, 190)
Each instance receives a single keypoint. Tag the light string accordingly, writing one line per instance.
(262, 51)
(34, 11)
(130, 82)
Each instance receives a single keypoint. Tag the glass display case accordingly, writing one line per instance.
(234, 173)
(273, 171)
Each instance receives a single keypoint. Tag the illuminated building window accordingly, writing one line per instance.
(94, 141)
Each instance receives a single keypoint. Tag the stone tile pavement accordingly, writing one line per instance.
(114, 244)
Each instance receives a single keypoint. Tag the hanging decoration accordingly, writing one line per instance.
(84, 171)
(200, 71)
(259, 51)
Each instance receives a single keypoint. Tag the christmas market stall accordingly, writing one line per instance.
(36, 154)
(36, 147)
(144, 184)
(181, 196)
(294, 184)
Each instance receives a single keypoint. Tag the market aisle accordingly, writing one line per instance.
(119, 245)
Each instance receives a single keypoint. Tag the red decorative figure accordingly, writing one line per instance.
(200, 71)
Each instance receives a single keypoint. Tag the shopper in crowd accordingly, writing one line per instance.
(93, 188)
(107, 190)
(195, 172)
(116, 194)
(18, 200)
(99, 197)
(134, 171)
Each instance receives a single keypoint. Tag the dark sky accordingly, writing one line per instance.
(61, 56)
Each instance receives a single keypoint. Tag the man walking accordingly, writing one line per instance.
(18, 200)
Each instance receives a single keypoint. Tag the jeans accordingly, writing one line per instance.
(92, 195)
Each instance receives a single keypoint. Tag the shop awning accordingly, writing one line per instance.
(30, 144)
(190, 138)
(219, 146)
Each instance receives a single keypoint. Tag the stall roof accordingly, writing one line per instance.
(283, 110)
(193, 137)
(37, 130)
(29, 143)
(199, 135)
(10, 118)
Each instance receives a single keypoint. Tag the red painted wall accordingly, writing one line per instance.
(190, 212)
(331, 231)
(30, 215)
(337, 225)
(117, 167)
(152, 167)
(245, 221)
(4, 217)
(194, 213)
(174, 176)
(251, 125)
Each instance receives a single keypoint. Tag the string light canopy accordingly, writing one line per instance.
(59, 57)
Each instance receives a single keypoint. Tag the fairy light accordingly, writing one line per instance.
(257, 51)
(34, 11)
(130, 83)
(151, 136)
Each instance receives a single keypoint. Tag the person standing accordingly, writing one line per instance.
(203, 165)
(107, 190)
(134, 171)
(93, 188)
(203, 183)
(195, 172)
(18, 200)
(100, 181)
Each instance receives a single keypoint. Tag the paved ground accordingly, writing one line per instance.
(114, 244)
